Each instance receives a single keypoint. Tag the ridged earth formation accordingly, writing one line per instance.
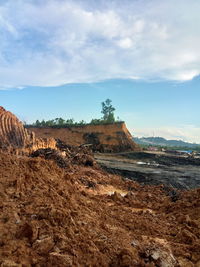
(13, 135)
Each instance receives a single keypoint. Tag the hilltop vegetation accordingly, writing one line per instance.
(107, 111)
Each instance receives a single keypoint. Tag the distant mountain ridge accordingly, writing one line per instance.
(160, 141)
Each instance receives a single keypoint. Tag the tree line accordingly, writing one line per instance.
(107, 111)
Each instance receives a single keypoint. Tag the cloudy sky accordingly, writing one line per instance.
(131, 50)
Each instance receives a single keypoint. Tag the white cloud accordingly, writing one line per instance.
(125, 43)
(58, 41)
(189, 133)
(187, 75)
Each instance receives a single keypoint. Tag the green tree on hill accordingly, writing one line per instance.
(108, 111)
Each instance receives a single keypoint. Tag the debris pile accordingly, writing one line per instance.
(51, 154)
(81, 155)
(65, 155)
(83, 216)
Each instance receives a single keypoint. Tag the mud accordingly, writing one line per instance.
(83, 216)
(181, 172)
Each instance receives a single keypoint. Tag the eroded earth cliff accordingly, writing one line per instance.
(13, 135)
(113, 137)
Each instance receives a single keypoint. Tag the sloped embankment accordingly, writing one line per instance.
(113, 137)
(70, 217)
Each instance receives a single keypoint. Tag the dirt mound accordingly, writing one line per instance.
(14, 137)
(82, 216)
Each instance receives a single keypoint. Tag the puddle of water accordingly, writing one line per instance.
(148, 163)
(157, 172)
(141, 163)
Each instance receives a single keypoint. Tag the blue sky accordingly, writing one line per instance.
(62, 58)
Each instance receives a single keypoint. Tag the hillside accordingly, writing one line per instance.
(160, 141)
(113, 137)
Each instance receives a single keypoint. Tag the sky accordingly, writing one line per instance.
(62, 58)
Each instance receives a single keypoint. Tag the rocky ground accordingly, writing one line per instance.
(79, 215)
(179, 171)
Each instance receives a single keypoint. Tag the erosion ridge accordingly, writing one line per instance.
(113, 137)
(13, 135)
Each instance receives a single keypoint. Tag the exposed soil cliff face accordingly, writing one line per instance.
(13, 135)
(104, 138)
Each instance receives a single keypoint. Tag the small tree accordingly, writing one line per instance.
(108, 111)
(37, 123)
(96, 121)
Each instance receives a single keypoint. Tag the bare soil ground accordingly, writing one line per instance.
(83, 216)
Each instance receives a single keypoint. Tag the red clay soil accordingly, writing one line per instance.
(69, 217)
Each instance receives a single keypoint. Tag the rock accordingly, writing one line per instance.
(134, 243)
(43, 246)
(157, 251)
